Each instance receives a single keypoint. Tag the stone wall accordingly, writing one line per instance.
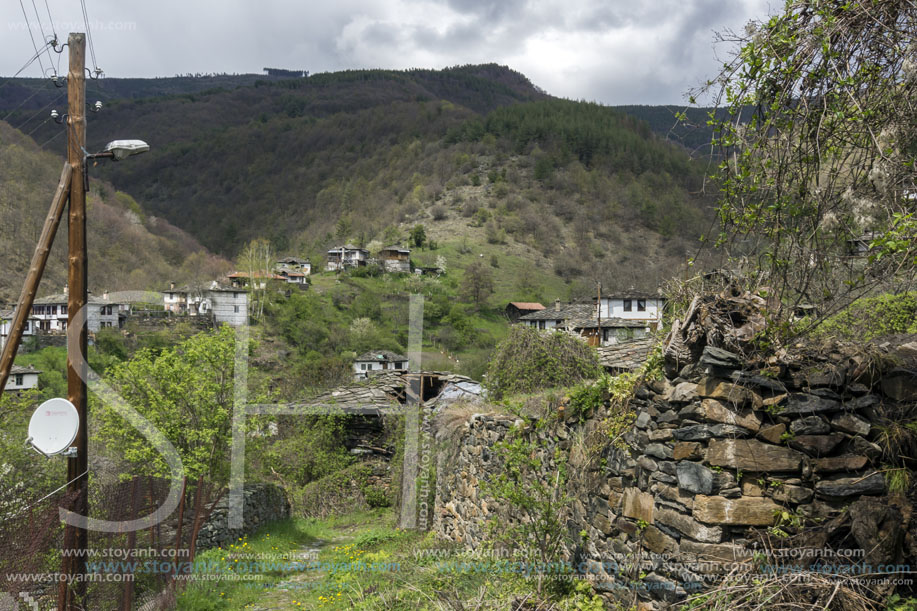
(264, 503)
(722, 450)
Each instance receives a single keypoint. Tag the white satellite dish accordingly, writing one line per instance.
(53, 426)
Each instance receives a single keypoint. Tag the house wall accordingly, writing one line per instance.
(23, 381)
(614, 308)
(397, 265)
(99, 316)
(548, 324)
(229, 307)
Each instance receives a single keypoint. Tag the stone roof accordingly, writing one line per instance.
(385, 391)
(566, 312)
(380, 356)
(607, 323)
(19, 370)
(6, 314)
(626, 356)
(346, 247)
(396, 248)
(293, 261)
(62, 298)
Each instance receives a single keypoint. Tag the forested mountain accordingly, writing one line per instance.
(127, 248)
(472, 152)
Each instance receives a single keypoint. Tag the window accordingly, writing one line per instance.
(19, 379)
(63, 309)
(363, 366)
(641, 305)
(54, 310)
(235, 309)
(541, 324)
(628, 305)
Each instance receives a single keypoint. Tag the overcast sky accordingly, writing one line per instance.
(611, 51)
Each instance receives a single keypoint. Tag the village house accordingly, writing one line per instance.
(22, 378)
(6, 322)
(347, 256)
(293, 264)
(294, 271)
(379, 360)
(258, 280)
(51, 314)
(584, 319)
(517, 309)
(395, 259)
(229, 305)
(634, 305)
(186, 300)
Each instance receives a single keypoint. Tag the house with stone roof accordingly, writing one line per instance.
(375, 361)
(22, 378)
(51, 313)
(6, 322)
(585, 320)
(346, 257)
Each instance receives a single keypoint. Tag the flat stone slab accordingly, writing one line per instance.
(745, 511)
(638, 505)
(873, 483)
(753, 455)
(688, 526)
(727, 392)
(716, 411)
(803, 403)
(833, 464)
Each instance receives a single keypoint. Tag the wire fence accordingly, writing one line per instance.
(124, 570)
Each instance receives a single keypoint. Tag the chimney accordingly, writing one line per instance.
(557, 305)
(66, 290)
(171, 286)
(105, 295)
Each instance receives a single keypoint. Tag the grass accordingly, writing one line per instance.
(363, 562)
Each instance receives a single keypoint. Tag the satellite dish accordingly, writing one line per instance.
(53, 426)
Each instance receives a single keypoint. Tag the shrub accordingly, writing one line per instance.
(529, 360)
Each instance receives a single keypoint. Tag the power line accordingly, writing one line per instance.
(28, 24)
(51, 23)
(54, 137)
(41, 29)
(41, 110)
(92, 49)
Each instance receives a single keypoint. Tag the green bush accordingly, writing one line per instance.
(871, 317)
(529, 360)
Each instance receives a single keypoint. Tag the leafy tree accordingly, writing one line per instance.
(818, 146)
(257, 259)
(418, 236)
(529, 360)
(478, 283)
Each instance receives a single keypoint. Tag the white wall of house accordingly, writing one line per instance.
(175, 302)
(363, 369)
(632, 308)
(22, 381)
(229, 307)
(50, 318)
(543, 324)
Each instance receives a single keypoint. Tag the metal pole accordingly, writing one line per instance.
(71, 598)
(36, 269)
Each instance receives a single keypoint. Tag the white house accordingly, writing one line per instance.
(633, 305)
(229, 305)
(22, 378)
(50, 314)
(347, 256)
(6, 322)
(583, 319)
(186, 300)
(379, 360)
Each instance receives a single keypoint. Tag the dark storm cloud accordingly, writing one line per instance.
(614, 51)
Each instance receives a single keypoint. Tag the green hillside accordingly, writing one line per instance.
(128, 249)
(475, 153)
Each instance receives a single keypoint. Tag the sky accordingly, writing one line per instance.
(609, 51)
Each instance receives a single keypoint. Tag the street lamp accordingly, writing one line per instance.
(115, 150)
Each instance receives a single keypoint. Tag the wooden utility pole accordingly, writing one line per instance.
(71, 596)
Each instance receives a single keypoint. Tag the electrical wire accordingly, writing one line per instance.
(41, 28)
(44, 498)
(54, 137)
(92, 49)
(51, 20)
(28, 24)
(21, 104)
(41, 110)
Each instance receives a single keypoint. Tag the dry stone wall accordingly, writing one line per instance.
(720, 452)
